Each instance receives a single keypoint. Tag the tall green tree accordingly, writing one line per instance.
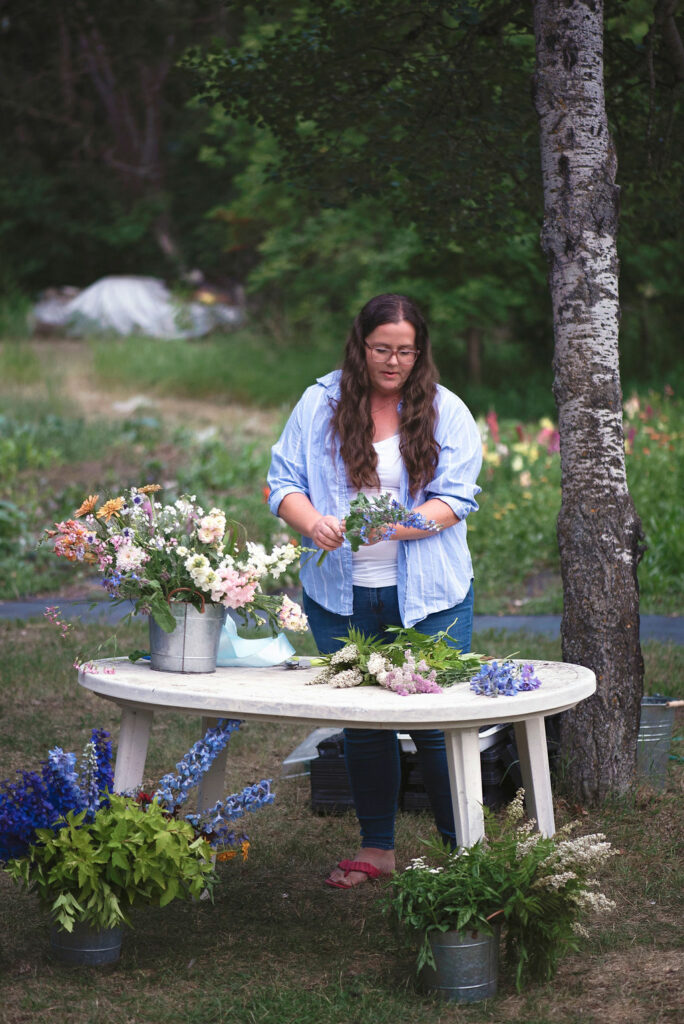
(99, 146)
(426, 107)
(599, 531)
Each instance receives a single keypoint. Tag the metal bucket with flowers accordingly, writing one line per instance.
(149, 553)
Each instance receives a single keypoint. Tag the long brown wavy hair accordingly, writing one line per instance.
(352, 422)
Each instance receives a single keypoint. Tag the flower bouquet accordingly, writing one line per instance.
(171, 559)
(380, 514)
(412, 662)
(536, 887)
(91, 854)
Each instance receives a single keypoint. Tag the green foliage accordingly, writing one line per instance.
(127, 856)
(537, 886)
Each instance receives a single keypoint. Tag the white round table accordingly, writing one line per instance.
(272, 694)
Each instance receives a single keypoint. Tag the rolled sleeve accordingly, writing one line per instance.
(460, 457)
(288, 471)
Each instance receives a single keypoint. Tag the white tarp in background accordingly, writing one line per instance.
(132, 305)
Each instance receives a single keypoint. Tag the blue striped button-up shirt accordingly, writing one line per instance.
(433, 573)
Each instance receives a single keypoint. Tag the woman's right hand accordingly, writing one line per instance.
(328, 533)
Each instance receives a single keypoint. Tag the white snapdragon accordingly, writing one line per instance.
(212, 527)
(200, 570)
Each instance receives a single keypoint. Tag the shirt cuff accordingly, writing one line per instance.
(461, 509)
(276, 496)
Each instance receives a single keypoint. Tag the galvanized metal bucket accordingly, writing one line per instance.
(193, 645)
(653, 742)
(86, 946)
(467, 966)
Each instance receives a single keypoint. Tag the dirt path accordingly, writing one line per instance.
(69, 366)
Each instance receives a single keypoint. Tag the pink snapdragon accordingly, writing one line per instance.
(292, 617)
(232, 588)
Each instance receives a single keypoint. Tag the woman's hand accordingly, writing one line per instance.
(328, 533)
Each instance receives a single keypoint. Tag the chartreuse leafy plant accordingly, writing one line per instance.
(128, 855)
(537, 887)
(91, 855)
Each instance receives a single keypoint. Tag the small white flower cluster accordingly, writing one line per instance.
(593, 901)
(346, 655)
(420, 864)
(554, 881)
(274, 564)
(587, 851)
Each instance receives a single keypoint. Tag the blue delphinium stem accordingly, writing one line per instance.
(215, 822)
(103, 753)
(172, 790)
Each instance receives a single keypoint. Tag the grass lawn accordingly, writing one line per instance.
(279, 947)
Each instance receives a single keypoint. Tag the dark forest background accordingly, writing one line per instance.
(247, 141)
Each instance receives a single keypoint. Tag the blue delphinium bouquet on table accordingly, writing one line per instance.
(91, 854)
(505, 679)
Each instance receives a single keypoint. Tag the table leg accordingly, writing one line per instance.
(134, 736)
(530, 739)
(212, 785)
(465, 776)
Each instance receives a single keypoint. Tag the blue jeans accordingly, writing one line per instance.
(372, 755)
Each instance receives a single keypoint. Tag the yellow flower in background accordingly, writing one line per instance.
(546, 424)
(87, 506)
(110, 508)
(491, 458)
(517, 463)
(528, 449)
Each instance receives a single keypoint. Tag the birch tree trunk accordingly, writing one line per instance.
(599, 531)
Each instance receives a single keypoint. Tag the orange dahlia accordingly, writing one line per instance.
(110, 508)
(87, 506)
(148, 488)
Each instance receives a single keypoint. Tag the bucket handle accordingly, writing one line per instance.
(190, 591)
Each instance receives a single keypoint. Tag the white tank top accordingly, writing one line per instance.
(375, 565)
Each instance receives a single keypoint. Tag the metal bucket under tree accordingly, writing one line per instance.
(653, 741)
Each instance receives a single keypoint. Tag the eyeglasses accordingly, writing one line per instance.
(383, 354)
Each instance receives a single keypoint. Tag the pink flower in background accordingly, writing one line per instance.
(493, 424)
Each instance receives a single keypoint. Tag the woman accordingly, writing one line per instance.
(383, 424)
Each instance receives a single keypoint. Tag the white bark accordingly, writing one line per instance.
(599, 531)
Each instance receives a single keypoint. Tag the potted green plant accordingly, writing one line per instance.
(89, 874)
(92, 855)
(535, 888)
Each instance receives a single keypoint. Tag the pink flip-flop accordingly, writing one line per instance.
(357, 865)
